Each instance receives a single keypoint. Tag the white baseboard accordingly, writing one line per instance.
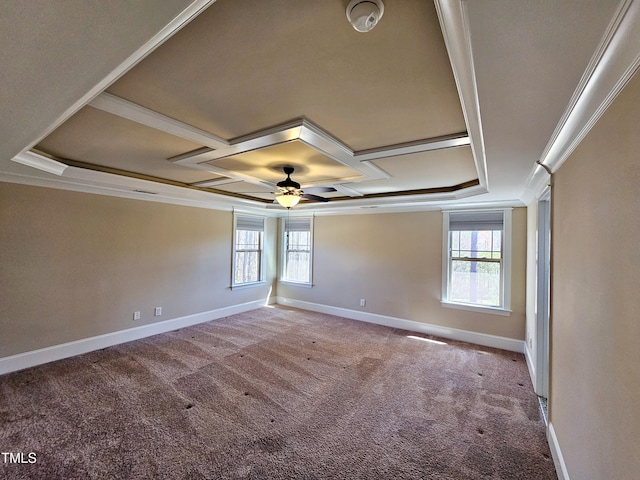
(411, 325)
(531, 365)
(556, 453)
(78, 347)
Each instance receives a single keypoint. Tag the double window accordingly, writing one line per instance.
(297, 235)
(477, 258)
(248, 250)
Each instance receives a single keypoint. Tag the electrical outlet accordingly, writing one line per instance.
(157, 311)
(136, 315)
(363, 302)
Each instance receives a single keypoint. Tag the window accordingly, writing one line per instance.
(297, 254)
(477, 258)
(247, 250)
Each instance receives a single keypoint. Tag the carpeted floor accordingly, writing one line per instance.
(277, 393)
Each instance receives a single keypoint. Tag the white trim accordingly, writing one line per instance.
(31, 159)
(484, 339)
(240, 286)
(506, 261)
(454, 23)
(136, 113)
(78, 347)
(530, 365)
(101, 183)
(556, 453)
(438, 143)
(537, 181)
(295, 284)
(445, 257)
(615, 61)
(476, 308)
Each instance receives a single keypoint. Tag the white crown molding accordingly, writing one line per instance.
(410, 325)
(454, 23)
(615, 61)
(39, 162)
(58, 352)
(182, 19)
(537, 181)
(400, 203)
(101, 183)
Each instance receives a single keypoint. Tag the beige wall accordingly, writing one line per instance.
(394, 261)
(75, 265)
(595, 357)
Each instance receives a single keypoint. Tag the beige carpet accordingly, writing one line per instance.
(277, 394)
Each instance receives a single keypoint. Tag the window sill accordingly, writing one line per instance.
(477, 308)
(248, 285)
(295, 284)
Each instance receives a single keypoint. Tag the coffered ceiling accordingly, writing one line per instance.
(441, 103)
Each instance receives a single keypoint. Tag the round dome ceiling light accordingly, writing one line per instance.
(364, 14)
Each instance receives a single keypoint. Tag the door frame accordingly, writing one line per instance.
(543, 292)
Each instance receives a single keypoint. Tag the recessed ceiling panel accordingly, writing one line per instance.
(435, 169)
(243, 66)
(267, 164)
(94, 137)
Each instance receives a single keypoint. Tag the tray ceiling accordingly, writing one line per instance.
(245, 89)
(442, 104)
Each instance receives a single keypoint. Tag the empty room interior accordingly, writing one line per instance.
(332, 234)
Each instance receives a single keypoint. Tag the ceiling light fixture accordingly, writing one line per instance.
(288, 199)
(364, 14)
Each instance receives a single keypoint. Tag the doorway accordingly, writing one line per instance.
(543, 291)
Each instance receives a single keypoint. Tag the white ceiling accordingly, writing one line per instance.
(522, 72)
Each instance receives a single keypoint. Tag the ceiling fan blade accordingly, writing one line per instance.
(319, 189)
(314, 198)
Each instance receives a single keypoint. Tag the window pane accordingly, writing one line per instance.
(299, 241)
(455, 243)
(248, 240)
(465, 240)
(297, 255)
(477, 244)
(297, 268)
(475, 282)
(247, 267)
(248, 246)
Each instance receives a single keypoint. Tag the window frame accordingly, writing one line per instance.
(260, 250)
(284, 251)
(505, 272)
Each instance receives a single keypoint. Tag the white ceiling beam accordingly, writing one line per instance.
(134, 112)
(32, 159)
(454, 23)
(420, 146)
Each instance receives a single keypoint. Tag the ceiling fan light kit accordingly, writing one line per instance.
(364, 14)
(288, 200)
(290, 193)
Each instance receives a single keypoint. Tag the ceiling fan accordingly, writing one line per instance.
(289, 192)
